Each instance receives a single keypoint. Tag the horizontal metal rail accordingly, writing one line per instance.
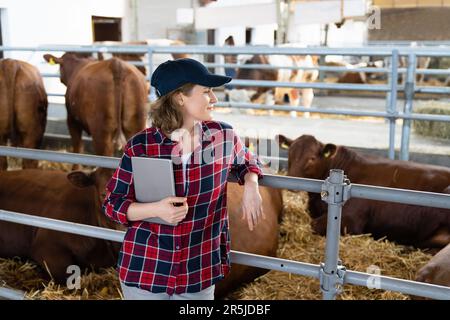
(198, 49)
(63, 226)
(11, 294)
(310, 185)
(320, 68)
(429, 71)
(269, 67)
(351, 277)
(419, 198)
(56, 156)
(313, 85)
(112, 163)
(377, 114)
(428, 89)
(399, 285)
(325, 68)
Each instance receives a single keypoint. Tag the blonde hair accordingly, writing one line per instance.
(166, 113)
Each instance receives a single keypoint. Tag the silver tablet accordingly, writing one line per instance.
(153, 181)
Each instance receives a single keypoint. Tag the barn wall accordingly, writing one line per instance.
(418, 24)
(53, 22)
(155, 18)
(40, 22)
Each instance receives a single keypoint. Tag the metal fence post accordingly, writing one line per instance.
(409, 96)
(152, 94)
(322, 74)
(392, 106)
(335, 191)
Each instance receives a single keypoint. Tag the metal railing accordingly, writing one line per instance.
(391, 89)
(335, 190)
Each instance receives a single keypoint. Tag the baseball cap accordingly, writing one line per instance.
(172, 74)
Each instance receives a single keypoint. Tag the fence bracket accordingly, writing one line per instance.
(332, 283)
(335, 193)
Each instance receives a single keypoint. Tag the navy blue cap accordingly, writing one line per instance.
(172, 74)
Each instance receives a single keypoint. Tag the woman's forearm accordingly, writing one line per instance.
(251, 177)
(139, 211)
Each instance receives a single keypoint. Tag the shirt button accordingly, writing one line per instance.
(178, 247)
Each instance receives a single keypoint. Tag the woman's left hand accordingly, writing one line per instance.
(252, 204)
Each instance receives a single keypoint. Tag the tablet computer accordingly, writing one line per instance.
(153, 181)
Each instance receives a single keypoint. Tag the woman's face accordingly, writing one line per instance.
(198, 105)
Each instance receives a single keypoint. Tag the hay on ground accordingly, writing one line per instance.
(436, 129)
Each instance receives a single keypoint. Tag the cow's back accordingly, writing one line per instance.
(379, 171)
(263, 240)
(111, 93)
(23, 106)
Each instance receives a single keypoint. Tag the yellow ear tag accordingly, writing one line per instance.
(284, 146)
(327, 154)
(52, 61)
(251, 148)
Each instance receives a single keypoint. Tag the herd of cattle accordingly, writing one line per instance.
(108, 100)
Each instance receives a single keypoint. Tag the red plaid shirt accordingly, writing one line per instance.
(194, 254)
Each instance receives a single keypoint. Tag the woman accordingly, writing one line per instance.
(159, 261)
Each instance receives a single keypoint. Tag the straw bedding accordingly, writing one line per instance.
(436, 129)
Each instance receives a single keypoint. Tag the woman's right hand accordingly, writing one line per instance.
(171, 213)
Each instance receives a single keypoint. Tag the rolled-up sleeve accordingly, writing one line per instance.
(120, 190)
(244, 161)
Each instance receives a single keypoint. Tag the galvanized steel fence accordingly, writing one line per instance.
(391, 53)
(335, 190)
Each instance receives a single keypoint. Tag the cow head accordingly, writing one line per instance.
(98, 180)
(68, 64)
(307, 157)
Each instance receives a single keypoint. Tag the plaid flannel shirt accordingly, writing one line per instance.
(194, 254)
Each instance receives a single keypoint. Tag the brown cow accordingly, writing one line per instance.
(263, 240)
(107, 99)
(23, 107)
(280, 95)
(360, 77)
(437, 270)
(353, 77)
(415, 225)
(50, 194)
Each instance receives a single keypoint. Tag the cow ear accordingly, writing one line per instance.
(80, 179)
(329, 150)
(52, 59)
(283, 141)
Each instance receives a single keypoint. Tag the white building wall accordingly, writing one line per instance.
(155, 17)
(263, 35)
(29, 23)
(351, 33)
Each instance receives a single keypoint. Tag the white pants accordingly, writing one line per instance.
(134, 293)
